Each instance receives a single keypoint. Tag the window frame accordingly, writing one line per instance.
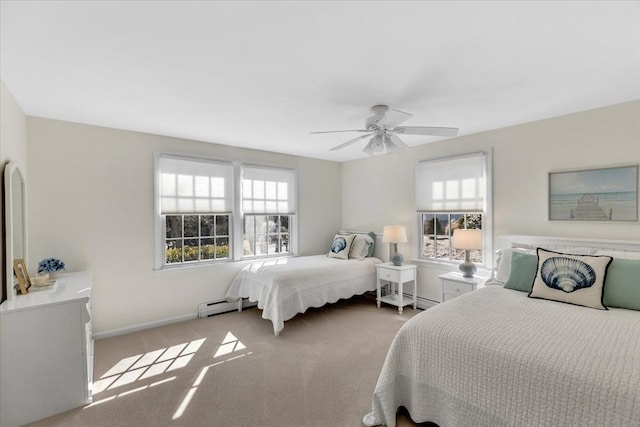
(239, 214)
(487, 212)
(236, 216)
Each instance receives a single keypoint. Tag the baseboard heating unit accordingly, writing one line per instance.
(212, 308)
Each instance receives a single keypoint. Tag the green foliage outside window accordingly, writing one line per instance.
(174, 255)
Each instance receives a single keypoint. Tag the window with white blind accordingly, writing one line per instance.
(452, 193)
(268, 210)
(195, 207)
(211, 210)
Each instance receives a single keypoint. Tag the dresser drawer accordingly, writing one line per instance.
(455, 289)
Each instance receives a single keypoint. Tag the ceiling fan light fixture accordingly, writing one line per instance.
(375, 145)
(390, 146)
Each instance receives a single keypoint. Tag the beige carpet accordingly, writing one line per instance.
(230, 370)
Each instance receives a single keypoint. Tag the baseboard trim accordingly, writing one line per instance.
(148, 325)
(142, 326)
(422, 303)
(425, 303)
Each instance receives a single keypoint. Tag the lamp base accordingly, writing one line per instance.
(397, 259)
(467, 267)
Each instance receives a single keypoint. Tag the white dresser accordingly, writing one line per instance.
(46, 351)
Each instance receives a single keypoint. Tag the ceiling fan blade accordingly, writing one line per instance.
(393, 118)
(351, 141)
(336, 131)
(425, 130)
(398, 142)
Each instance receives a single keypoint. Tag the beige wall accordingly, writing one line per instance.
(91, 198)
(13, 147)
(91, 204)
(378, 191)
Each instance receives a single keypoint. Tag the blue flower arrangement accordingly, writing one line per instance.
(50, 265)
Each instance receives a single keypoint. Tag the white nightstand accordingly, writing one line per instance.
(454, 285)
(397, 276)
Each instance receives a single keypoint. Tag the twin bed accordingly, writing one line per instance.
(495, 357)
(284, 287)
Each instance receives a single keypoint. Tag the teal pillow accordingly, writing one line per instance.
(523, 272)
(622, 284)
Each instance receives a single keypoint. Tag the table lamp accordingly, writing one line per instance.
(395, 234)
(467, 240)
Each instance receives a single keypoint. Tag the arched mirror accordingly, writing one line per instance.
(15, 221)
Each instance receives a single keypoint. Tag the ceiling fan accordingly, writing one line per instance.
(382, 127)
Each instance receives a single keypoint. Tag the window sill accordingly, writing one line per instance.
(242, 261)
(448, 265)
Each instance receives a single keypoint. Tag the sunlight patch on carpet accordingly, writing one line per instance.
(230, 344)
(142, 366)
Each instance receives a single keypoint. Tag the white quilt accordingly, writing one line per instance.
(494, 357)
(287, 286)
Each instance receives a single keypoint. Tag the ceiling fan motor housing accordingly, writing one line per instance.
(378, 112)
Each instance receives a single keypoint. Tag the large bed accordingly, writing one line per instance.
(496, 357)
(284, 287)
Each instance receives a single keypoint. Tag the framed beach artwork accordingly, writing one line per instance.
(603, 194)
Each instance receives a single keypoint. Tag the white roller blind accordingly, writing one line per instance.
(454, 184)
(194, 186)
(268, 190)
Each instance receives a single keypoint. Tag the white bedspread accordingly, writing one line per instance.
(287, 286)
(494, 357)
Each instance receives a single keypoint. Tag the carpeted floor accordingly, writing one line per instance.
(230, 370)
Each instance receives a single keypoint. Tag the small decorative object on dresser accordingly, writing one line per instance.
(455, 284)
(20, 270)
(467, 240)
(52, 266)
(396, 276)
(395, 234)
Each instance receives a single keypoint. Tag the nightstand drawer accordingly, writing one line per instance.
(455, 289)
(388, 274)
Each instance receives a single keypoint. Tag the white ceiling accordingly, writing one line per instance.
(264, 74)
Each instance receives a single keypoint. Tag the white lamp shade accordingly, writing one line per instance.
(394, 234)
(467, 239)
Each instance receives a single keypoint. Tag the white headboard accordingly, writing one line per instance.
(621, 245)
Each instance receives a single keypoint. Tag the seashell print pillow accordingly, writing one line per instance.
(341, 245)
(574, 279)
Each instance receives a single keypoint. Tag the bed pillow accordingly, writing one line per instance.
(523, 271)
(622, 284)
(574, 279)
(503, 264)
(361, 247)
(341, 245)
(372, 246)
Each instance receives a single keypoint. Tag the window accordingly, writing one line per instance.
(265, 235)
(209, 211)
(196, 238)
(195, 209)
(452, 193)
(268, 210)
(437, 229)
